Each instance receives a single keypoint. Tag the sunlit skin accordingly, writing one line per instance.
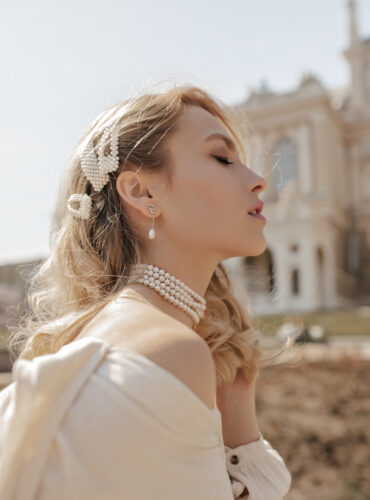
(203, 219)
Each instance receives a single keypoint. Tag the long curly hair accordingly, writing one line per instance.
(90, 260)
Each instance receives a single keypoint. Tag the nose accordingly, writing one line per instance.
(257, 183)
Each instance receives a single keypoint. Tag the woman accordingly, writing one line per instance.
(133, 331)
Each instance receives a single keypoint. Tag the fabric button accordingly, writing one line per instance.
(234, 459)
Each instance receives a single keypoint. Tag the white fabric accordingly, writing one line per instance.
(260, 468)
(93, 422)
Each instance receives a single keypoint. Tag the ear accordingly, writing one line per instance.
(137, 191)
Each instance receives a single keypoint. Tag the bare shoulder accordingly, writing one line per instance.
(189, 359)
(163, 340)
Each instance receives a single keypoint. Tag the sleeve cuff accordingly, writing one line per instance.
(260, 468)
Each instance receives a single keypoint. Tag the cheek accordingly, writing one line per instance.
(211, 203)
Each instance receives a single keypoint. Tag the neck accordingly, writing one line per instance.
(157, 300)
(194, 283)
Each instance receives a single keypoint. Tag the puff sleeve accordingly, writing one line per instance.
(260, 468)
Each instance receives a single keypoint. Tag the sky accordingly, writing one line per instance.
(65, 62)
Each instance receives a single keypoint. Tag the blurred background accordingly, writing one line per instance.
(300, 74)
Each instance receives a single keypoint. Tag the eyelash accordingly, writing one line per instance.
(223, 160)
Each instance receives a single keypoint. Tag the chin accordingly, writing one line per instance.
(257, 249)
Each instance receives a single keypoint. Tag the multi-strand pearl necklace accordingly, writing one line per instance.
(170, 288)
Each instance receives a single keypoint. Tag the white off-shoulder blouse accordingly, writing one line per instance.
(96, 422)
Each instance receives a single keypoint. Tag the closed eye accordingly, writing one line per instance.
(223, 160)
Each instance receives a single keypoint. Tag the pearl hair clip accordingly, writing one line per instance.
(96, 169)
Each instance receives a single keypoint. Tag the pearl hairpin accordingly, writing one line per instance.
(170, 288)
(85, 205)
(96, 169)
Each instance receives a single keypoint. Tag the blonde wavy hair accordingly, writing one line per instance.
(90, 260)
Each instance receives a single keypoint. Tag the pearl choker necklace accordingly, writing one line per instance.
(171, 289)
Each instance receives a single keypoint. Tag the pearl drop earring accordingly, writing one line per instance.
(151, 230)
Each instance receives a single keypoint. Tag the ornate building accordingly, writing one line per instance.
(313, 147)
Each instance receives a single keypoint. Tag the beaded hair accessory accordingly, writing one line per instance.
(96, 169)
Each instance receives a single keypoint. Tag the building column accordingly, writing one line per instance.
(330, 266)
(305, 173)
(269, 141)
(320, 154)
(356, 190)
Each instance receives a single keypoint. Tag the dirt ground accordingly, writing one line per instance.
(317, 415)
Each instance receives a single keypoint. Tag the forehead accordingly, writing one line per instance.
(197, 124)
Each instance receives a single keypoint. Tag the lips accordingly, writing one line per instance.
(257, 208)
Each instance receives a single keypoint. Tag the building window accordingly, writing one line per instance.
(284, 163)
(294, 283)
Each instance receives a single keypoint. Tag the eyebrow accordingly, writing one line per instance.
(226, 139)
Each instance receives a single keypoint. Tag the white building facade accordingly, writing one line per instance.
(313, 147)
